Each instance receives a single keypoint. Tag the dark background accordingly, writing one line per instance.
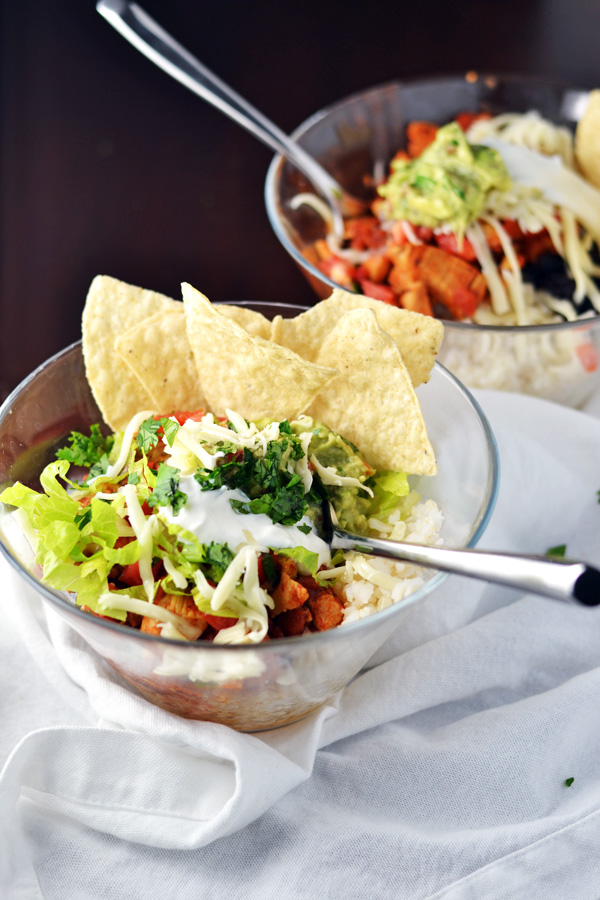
(109, 166)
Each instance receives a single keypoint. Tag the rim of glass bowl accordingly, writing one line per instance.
(56, 598)
(276, 219)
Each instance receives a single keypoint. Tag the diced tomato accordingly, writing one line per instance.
(339, 270)
(423, 233)
(182, 416)
(398, 234)
(463, 303)
(513, 229)
(365, 233)
(196, 416)
(588, 356)
(220, 622)
(466, 119)
(449, 243)
(131, 573)
(535, 245)
(378, 291)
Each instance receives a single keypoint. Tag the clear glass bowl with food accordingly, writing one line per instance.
(186, 655)
(480, 208)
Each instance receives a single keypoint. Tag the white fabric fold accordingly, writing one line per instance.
(438, 772)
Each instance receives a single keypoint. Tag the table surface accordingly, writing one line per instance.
(109, 166)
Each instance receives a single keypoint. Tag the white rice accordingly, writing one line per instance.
(370, 584)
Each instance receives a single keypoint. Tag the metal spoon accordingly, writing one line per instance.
(561, 579)
(150, 39)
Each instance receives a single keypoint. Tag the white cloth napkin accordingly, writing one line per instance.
(439, 772)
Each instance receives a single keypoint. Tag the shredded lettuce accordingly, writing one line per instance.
(388, 488)
(306, 559)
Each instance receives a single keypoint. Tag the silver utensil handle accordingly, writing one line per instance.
(561, 579)
(156, 44)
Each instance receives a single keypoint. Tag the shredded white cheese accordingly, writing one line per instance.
(328, 475)
(128, 435)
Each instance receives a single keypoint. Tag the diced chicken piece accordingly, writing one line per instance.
(286, 564)
(294, 621)
(452, 281)
(149, 625)
(405, 272)
(375, 268)
(288, 594)
(417, 300)
(184, 607)
(326, 611)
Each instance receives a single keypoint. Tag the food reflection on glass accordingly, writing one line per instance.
(197, 516)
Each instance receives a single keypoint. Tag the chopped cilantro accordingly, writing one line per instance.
(133, 478)
(89, 450)
(284, 503)
(269, 568)
(266, 480)
(569, 781)
(558, 551)
(424, 184)
(217, 557)
(166, 491)
(83, 517)
(147, 436)
(460, 193)
(170, 428)
(151, 430)
(305, 529)
(100, 467)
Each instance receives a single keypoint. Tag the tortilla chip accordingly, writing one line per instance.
(251, 321)
(417, 337)
(112, 308)
(243, 371)
(372, 402)
(587, 140)
(159, 353)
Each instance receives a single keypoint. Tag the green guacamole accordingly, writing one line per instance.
(447, 184)
(352, 506)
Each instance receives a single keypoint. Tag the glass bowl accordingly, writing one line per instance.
(280, 681)
(359, 135)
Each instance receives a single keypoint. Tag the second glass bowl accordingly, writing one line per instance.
(360, 134)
